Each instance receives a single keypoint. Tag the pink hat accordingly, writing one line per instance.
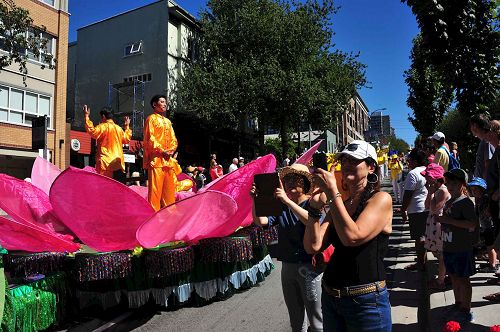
(434, 171)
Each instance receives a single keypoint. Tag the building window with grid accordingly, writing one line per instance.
(141, 78)
(41, 58)
(21, 107)
(49, 2)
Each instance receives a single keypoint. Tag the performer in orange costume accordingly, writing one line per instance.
(160, 144)
(110, 137)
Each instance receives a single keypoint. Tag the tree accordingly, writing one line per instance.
(463, 43)
(429, 94)
(398, 144)
(19, 38)
(455, 126)
(271, 61)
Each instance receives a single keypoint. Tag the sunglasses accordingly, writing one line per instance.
(352, 147)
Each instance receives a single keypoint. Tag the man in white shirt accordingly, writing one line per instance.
(286, 161)
(413, 206)
(234, 166)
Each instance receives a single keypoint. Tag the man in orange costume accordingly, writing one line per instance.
(160, 144)
(110, 137)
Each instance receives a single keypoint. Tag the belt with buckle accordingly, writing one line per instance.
(354, 290)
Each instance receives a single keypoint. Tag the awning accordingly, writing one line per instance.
(19, 153)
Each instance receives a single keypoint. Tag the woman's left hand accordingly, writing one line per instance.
(281, 195)
(325, 181)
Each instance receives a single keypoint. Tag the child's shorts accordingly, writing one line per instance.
(460, 264)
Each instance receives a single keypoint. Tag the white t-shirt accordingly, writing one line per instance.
(416, 182)
(232, 168)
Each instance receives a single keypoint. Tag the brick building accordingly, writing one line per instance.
(44, 94)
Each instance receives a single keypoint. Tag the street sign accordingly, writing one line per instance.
(129, 158)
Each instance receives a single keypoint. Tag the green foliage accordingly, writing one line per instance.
(271, 61)
(15, 22)
(273, 145)
(455, 126)
(429, 95)
(398, 144)
(463, 44)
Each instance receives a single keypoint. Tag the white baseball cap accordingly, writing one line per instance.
(438, 136)
(359, 150)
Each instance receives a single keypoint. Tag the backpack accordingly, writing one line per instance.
(454, 163)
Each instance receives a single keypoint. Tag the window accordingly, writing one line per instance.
(49, 2)
(141, 78)
(21, 107)
(16, 99)
(47, 50)
(133, 49)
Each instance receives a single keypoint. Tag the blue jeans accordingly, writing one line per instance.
(369, 312)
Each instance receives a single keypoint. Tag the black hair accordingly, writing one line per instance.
(107, 112)
(419, 156)
(156, 98)
(481, 121)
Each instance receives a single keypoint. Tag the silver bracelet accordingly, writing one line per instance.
(335, 196)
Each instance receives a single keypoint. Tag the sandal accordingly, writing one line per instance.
(495, 297)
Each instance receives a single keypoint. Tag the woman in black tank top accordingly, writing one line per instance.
(355, 296)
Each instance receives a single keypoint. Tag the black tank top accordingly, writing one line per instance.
(350, 266)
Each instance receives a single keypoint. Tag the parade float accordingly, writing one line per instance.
(77, 240)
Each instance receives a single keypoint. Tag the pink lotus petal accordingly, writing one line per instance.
(17, 236)
(90, 169)
(43, 174)
(190, 219)
(102, 212)
(28, 205)
(142, 191)
(237, 184)
(307, 156)
(183, 195)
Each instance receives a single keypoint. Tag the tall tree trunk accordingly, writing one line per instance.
(284, 138)
(261, 133)
(298, 152)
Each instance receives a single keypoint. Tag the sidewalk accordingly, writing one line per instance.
(407, 294)
(487, 313)
(414, 306)
(408, 300)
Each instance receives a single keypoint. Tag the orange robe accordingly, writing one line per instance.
(110, 137)
(159, 136)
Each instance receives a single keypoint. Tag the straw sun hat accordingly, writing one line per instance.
(300, 170)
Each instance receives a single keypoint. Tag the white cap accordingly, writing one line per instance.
(438, 136)
(359, 150)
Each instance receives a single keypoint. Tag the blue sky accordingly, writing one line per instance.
(382, 31)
